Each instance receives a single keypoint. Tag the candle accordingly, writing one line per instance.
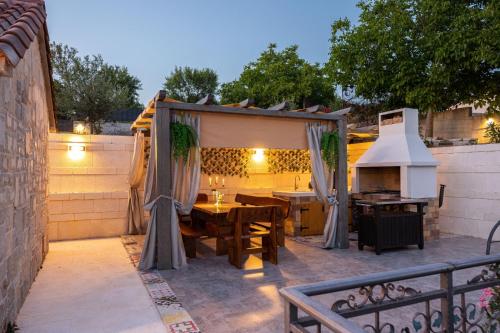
(210, 181)
(216, 180)
(223, 181)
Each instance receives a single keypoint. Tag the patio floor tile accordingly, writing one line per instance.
(221, 298)
(88, 286)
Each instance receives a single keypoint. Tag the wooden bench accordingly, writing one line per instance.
(189, 237)
(245, 199)
(239, 241)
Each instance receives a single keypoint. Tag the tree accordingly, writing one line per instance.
(190, 84)
(277, 76)
(420, 53)
(89, 89)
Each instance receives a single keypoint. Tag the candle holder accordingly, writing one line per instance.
(217, 196)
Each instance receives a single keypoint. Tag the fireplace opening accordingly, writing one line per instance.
(380, 179)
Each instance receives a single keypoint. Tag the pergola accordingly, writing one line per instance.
(231, 126)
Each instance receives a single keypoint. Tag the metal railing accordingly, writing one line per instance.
(379, 293)
(490, 237)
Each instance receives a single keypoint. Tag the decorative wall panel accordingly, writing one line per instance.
(288, 160)
(234, 161)
(225, 161)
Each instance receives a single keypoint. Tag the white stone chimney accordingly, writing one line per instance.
(399, 152)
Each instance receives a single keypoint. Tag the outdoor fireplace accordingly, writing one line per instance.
(396, 173)
(398, 161)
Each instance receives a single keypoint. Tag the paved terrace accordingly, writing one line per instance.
(221, 298)
(88, 286)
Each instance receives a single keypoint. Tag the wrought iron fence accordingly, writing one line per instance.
(343, 305)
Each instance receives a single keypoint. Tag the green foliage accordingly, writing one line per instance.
(190, 84)
(87, 88)
(277, 76)
(330, 148)
(182, 138)
(11, 328)
(420, 53)
(493, 132)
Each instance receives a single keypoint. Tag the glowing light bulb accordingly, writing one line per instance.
(258, 155)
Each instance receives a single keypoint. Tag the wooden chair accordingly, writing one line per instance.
(187, 219)
(189, 236)
(202, 198)
(282, 214)
(239, 241)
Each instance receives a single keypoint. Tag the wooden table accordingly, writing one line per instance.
(214, 222)
(213, 210)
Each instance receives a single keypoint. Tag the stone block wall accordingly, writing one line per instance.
(88, 196)
(87, 215)
(471, 174)
(461, 123)
(24, 126)
(431, 220)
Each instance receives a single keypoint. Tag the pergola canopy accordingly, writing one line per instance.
(239, 125)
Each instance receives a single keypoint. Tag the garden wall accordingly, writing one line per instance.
(88, 194)
(88, 197)
(462, 124)
(472, 197)
(24, 127)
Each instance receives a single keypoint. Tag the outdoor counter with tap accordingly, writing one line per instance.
(307, 214)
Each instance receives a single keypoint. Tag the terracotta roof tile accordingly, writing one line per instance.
(9, 52)
(20, 23)
(31, 24)
(21, 34)
(25, 29)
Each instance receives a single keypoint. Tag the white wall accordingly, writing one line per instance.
(88, 197)
(472, 196)
(471, 175)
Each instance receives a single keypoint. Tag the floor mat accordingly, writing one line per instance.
(173, 315)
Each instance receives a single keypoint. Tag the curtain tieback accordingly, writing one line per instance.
(176, 203)
(332, 200)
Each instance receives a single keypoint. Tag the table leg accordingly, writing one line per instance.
(378, 227)
(220, 247)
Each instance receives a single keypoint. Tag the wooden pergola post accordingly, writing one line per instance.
(341, 183)
(164, 183)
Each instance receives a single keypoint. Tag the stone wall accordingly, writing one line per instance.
(89, 194)
(461, 124)
(24, 126)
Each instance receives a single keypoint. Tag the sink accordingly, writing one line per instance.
(298, 193)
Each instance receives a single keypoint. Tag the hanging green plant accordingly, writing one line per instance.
(182, 138)
(330, 148)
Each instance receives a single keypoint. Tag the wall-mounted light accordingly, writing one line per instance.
(81, 127)
(490, 121)
(76, 151)
(258, 155)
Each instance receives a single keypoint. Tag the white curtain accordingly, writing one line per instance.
(135, 213)
(322, 182)
(185, 185)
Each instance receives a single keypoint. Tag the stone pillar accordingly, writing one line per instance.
(431, 220)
